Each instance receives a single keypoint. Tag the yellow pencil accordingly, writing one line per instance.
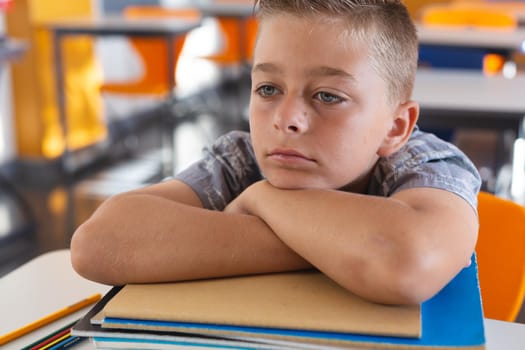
(48, 319)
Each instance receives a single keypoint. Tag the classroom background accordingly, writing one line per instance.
(91, 105)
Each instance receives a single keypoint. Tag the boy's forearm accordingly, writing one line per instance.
(140, 238)
(370, 245)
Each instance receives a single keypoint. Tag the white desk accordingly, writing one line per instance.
(493, 39)
(239, 10)
(38, 288)
(456, 98)
(469, 91)
(48, 283)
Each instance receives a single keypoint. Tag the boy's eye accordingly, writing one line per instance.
(266, 90)
(328, 98)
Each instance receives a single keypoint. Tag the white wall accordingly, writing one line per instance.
(7, 141)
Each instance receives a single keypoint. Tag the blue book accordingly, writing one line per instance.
(152, 344)
(451, 319)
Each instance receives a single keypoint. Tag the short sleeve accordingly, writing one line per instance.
(427, 161)
(225, 170)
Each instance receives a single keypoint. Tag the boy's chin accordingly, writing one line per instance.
(301, 183)
(294, 184)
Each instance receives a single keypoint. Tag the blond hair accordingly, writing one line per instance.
(384, 26)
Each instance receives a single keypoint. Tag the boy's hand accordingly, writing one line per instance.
(236, 206)
(240, 205)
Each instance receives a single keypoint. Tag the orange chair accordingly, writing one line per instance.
(468, 16)
(252, 27)
(153, 53)
(500, 252)
(238, 37)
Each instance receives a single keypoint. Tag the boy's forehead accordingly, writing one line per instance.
(315, 20)
(299, 48)
(317, 33)
(335, 28)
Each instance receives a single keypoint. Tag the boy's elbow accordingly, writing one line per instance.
(388, 282)
(407, 288)
(406, 279)
(81, 251)
(88, 258)
(418, 279)
(413, 290)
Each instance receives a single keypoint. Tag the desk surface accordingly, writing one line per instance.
(121, 26)
(512, 40)
(233, 9)
(48, 283)
(38, 288)
(469, 91)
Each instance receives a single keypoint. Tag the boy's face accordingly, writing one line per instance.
(318, 112)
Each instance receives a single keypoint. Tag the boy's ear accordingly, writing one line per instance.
(405, 119)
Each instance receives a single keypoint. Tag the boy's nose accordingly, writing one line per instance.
(291, 116)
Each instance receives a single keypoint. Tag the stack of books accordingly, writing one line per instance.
(296, 310)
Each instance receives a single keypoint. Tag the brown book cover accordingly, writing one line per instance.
(296, 300)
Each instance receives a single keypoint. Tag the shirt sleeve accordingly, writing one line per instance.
(227, 167)
(427, 161)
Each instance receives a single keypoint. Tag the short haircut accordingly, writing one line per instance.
(384, 26)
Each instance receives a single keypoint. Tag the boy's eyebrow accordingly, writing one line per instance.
(316, 72)
(267, 68)
(331, 71)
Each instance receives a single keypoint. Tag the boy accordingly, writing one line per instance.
(334, 174)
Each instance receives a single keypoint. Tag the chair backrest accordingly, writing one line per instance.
(500, 252)
(238, 36)
(153, 51)
(234, 50)
(468, 16)
(252, 28)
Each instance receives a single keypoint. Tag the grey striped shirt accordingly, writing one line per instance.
(229, 166)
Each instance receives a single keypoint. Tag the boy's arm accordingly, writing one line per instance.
(162, 233)
(400, 249)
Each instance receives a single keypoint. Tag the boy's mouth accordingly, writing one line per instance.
(288, 155)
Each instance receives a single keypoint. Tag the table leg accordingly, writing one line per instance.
(66, 160)
(169, 161)
(517, 186)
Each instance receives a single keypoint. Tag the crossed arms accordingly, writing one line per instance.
(397, 250)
